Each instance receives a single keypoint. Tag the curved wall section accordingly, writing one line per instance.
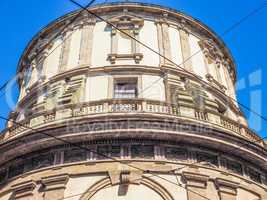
(133, 122)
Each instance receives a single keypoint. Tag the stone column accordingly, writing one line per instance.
(227, 189)
(65, 49)
(86, 43)
(196, 185)
(54, 186)
(23, 190)
(186, 52)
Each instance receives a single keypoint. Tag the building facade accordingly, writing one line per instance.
(101, 116)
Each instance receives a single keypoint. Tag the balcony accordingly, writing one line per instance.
(127, 107)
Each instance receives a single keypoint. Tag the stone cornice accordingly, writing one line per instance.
(152, 9)
(86, 70)
(211, 138)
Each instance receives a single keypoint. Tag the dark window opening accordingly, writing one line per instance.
(209, 158)
(74, 155)
(175, 153)
(125, 89)
(142, 151)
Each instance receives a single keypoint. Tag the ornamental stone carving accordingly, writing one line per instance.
(103, 116)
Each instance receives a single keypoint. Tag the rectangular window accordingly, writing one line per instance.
(15, 170)
(43, 160)
(2, 176)
(74, 155)
(175, 153)
(125, 89)
(109, 151)
(254, 175)
(115, 151)
(234, 167)
(206, 157)
(142, 151)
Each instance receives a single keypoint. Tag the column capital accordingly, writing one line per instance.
(195, 179)
(226, 186)
(55, 182)
(23, 189)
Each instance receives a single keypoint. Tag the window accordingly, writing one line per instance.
(254, 175)
(124, 89)
(15, 170)
(174, 153)
(74, 155)
(234, 167)
(142, 151)
(43, 160)
(209, 158)
(27, 77)
(2, 176)
(110, 151)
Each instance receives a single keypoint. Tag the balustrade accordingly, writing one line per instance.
(124, 106)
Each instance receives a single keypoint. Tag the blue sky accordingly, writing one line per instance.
(20, 20)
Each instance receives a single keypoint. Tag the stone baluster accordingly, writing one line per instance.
(54, 186)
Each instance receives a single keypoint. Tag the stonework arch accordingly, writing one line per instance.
(105, 183)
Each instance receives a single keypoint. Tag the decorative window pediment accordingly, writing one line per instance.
(127, 21)
(123, 45)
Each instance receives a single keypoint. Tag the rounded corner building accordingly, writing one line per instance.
(102, 116)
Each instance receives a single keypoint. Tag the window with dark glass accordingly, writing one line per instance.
(254, 175)
(74, 155)
(142, 151)
(107, 150)
(206, 157)
(15, 170)
(43, 160)
(125, 89)
(102, 152)
(174, 153)
(2, 176)
(234, 167)
(115, 151)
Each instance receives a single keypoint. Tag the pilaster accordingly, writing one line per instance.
(23, 190)
(186, 51)
(54, 186)
(227, 189)
(65, 49)
(86, 43)
(164, 41)
(196, 185)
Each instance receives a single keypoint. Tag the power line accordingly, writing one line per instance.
(51, 40)
(84, 148)
(262, 6)
(101, 154)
